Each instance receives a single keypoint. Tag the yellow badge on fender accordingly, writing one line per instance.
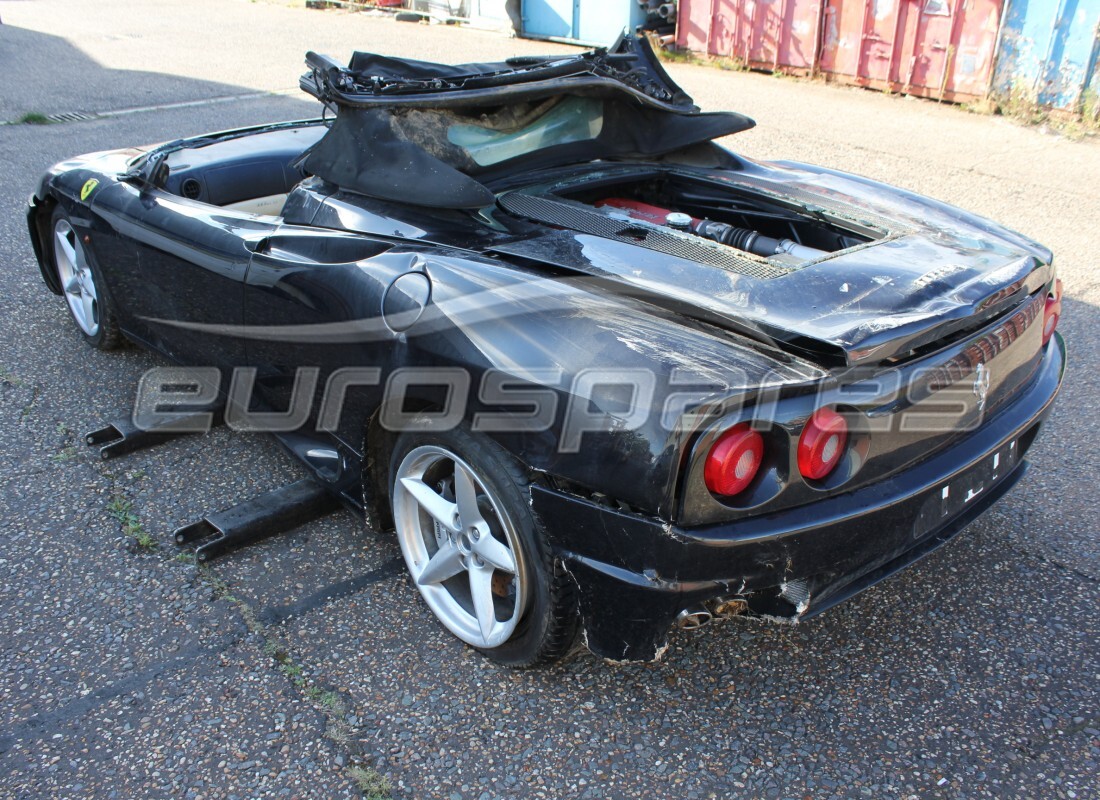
(89, 187)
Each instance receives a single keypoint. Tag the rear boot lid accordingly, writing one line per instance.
(924, 275)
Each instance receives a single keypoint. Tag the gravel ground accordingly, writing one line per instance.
(306, 663)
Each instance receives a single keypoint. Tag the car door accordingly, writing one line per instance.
(184, 292)
(313, 305)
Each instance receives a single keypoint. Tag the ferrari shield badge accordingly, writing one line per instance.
(88, 188)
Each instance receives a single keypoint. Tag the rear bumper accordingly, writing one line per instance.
(635, 574)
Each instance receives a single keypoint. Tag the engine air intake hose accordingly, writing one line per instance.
(753, 242)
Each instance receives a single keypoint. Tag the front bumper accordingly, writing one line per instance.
(635, 574)
(36, 230)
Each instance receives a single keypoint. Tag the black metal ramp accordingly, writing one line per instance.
(123, 436)
(262, 516)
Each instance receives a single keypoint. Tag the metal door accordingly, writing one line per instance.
(763, 34)
(932, 48)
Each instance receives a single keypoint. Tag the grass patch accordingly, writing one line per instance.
(286, 665)
(1022, 105)
(1090, 109)
(122, 509)
(326, 698)
(67, 453)
(373, 785)
(29, 406)
(687, 57)
(678, 56)
(34, 118)
(9, 377)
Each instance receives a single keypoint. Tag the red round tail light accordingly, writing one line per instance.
(734, 460)
(1052, 311)
(821, 444)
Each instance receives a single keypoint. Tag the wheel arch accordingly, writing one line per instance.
(378, 444)
(377, 448)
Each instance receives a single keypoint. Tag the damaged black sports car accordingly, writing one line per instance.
(602, 375)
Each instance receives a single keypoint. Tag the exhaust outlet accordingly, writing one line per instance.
(693, 618)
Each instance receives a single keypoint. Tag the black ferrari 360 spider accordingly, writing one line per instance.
(599, 373)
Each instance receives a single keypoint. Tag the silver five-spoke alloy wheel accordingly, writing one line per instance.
(77, 280)
(462, 550)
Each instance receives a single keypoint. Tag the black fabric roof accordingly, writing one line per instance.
(389, 136)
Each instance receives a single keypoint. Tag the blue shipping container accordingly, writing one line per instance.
(1048, 53)
(589, 22)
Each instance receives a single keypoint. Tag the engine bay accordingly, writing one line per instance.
(739, 219)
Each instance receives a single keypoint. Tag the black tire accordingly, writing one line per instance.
(548, 628)
(106, 334)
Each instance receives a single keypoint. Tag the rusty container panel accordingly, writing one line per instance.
(762, 34)
(1049, 53)
(932, 48)
(956, 49)
(693, 25)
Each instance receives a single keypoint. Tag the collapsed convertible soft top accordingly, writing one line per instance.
(455, 126)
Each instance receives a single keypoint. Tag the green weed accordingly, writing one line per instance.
(372, 784)
(122, 509)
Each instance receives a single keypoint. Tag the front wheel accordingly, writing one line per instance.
(83, 286)
(475, 550)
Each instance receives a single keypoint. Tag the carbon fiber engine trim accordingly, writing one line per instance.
(578, 217)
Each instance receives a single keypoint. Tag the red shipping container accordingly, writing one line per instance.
(762, 34)
(933, 48)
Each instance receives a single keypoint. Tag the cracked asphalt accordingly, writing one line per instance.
(307, 667)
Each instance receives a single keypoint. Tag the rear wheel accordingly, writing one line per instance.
(475, 550)
(82, 286)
